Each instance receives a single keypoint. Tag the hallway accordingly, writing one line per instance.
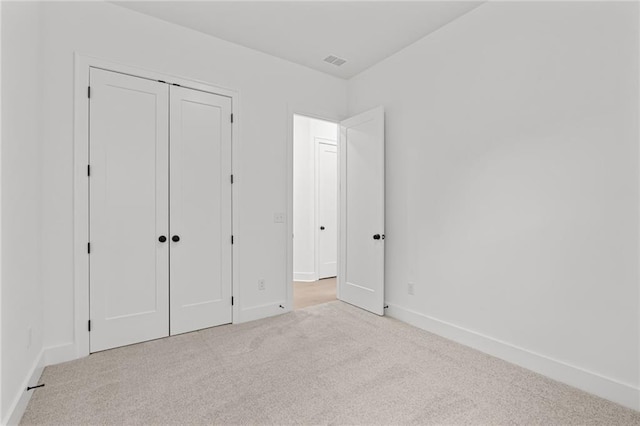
(313, 293)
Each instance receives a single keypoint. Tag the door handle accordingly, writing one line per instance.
(162, 238)
(322, 228)
(175, 238)
(376, 237)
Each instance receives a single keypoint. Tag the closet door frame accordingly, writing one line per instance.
(83, 63)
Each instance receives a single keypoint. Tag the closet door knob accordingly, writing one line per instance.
(162, 238)
(322, 228)
(376, 237)
(175, 238)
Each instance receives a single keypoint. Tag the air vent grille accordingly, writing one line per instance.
(335, 60)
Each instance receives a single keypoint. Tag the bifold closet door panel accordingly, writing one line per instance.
(128, 209)
(200, 215)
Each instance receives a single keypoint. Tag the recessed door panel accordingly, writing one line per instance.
(361, 278)
(128, 193)
(327, 210)
(200, 210)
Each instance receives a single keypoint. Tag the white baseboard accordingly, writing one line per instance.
(60, 353)
(588, 381)
(262, 311)
(21, 400)
(305, 276)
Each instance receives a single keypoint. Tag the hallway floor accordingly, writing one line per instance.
(313, 293)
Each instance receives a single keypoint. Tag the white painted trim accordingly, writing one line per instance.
(306, 277)
(60, 353)
(262, 311)
(316, 210)
(81, 184)
(588, 381)
(320, 115)
(1, 206)
(21, 400)
(319, 140)
(638, 238)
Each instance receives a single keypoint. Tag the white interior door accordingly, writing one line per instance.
(327, 210)
(128, 208)
(200, 210)
(361, 145)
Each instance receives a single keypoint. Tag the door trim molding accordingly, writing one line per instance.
(320, 115)
(82, 63)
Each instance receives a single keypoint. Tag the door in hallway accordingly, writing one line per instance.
(327, 210)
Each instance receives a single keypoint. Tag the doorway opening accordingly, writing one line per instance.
(315, 211)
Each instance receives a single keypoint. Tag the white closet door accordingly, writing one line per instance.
(128, 193)
(200, 209)
(327, 210)
(361, 144)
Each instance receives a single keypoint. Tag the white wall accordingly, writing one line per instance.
(306, 130)
(512, 186)
(303, 203)
(268, 88)
(512, 176)
(21, 147)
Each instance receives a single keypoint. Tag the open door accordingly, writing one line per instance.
(361, 157)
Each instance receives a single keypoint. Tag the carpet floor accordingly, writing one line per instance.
(314, 293)
(326, 364)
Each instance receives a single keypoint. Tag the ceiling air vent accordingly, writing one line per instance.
(335, 60)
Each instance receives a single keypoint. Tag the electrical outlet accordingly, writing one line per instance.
(411, 289)
(261, 284)
(29, 334)
(279, 217)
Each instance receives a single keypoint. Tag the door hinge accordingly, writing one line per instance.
(232, 118)
(231, 178)
(89, 248)
(231, 300)
(89, 325)
(89, 92)
(232, 239)
(88, 169)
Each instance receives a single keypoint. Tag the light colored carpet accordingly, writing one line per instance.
(314, 293)
(327, 364)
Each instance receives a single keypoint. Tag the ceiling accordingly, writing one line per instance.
(305, 32)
